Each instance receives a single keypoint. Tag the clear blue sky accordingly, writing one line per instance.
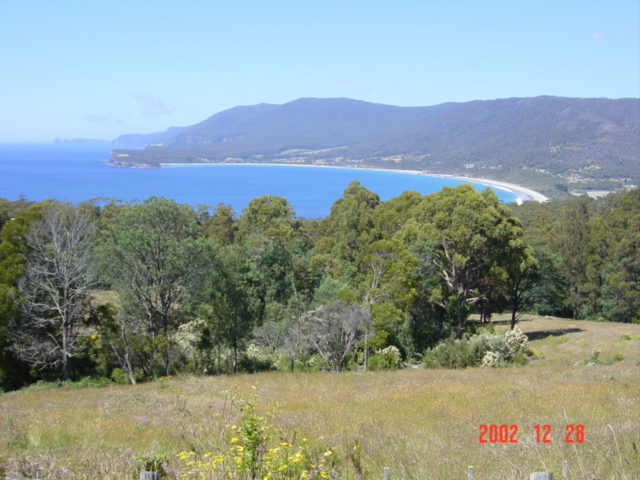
(99, 69)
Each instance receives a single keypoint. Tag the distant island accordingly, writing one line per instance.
(81, 141)
(555, 145)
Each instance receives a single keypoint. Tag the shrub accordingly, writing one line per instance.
(516, 341)
(452, 353)
(490, 360)
(256, 359)
(615, 358)
(386, 359)
(536, 354)
(118, 376)
(486, 350)
(593, 358)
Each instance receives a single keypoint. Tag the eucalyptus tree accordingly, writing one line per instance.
(271, 217)
(13, 252)
(522, 276)
(222, 224)
(55, 285)
(349, 231)
(232, 308)
(466, 237)
(620, 298)
(154, 255)
(572, 243)
(390, 216)
(388, 289)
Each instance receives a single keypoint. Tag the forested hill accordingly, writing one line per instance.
(564, 141)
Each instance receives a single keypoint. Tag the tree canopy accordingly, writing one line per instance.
(139, 290)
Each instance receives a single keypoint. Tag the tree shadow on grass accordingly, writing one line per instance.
(540, 334)
(555, 332)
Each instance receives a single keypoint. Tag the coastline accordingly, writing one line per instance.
(523, 194)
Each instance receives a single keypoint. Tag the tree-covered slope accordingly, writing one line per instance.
(576, 139)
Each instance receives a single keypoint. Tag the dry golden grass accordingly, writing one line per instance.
(423, 424)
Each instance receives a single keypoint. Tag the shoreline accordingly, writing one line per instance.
(523, 194)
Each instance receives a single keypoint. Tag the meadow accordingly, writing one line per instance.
(421, 424)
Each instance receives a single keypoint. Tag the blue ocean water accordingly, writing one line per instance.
(78, 173)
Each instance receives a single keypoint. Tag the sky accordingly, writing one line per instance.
(100, 69)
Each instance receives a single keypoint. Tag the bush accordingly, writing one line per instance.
(453, 353)
(85, 382)
(118, 376)
(486, 349)
(490, 360)
(256, 359)
(386, 359)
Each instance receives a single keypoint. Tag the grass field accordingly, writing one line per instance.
(422, 424)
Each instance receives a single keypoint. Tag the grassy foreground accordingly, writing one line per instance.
(422, 424)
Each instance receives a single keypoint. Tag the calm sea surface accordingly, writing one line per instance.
(77, 173)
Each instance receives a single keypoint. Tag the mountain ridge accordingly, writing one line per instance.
(588, 143)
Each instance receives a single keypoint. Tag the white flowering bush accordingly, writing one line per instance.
(517, 341)
(491, 360)
(385, 359)
(486, 349)
(186, 339)
(257, 359)
(256, 353)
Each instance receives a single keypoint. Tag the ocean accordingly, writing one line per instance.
(77, 173)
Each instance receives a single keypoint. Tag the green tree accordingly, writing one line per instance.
(388, 289)
(273, 217)
(571, 242)
(522, 276)
(549, 292)
(153, 255)
(351, 228)
(469, 236)
(222, 225)
(13, 254)
(620, 299)
(117, 344)
(233, 309)
(390, 216)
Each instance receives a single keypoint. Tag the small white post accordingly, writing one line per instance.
(541, 476)
(565, 470)
(470, 473)
(387, 473)
(149, 476)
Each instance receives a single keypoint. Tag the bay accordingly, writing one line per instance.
(77, 173)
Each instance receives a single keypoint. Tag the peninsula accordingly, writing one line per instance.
(553, 145)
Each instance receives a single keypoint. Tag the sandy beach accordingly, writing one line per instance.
(523, 194)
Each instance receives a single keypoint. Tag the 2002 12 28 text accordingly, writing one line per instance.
(508, 433)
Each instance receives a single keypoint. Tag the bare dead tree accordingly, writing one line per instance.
(288, 337)
(54, 287)
(335, 328)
